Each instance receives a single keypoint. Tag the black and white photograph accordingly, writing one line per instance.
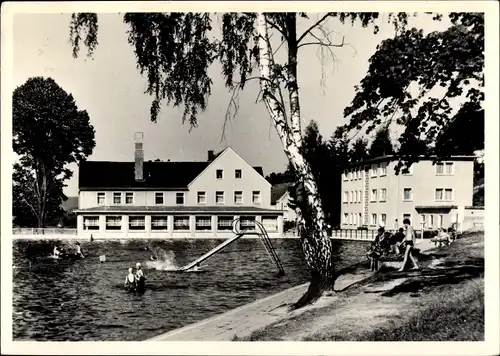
(244, 173)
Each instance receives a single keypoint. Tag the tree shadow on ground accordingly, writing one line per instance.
(446, 272)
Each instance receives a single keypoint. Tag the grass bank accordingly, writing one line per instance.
(442, 302)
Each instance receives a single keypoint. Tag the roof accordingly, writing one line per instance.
(389, 158)
(70, 204)
(278, 190)
(166, 175)
(179, 209)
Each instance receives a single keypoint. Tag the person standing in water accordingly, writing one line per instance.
(409, 243)
(139, 276)
(56, 252)
(130, 283)
(79, 250)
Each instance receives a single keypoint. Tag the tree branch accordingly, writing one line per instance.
(322, 43)
(279, 29)
(314, 26)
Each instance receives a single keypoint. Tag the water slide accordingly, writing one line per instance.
(211, 252)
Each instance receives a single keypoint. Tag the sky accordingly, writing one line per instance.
(110, 88)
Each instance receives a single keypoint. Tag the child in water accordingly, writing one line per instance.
(130, 283)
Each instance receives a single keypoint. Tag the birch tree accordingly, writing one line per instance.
(174, 52)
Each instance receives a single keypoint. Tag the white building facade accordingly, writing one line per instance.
(174, 199)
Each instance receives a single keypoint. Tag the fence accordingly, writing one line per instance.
(44, 231)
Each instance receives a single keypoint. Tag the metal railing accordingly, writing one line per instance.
(264, 238)
(43, 231)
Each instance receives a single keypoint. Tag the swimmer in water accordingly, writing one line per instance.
(130, 282)
(79, 250)
(56, 252)
(140, 278)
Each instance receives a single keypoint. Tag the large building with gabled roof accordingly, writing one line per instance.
(141, 199)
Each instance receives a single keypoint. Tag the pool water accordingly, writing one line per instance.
(85, 300)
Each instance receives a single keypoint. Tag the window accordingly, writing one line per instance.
(247, 223)
(383, 194)
(440, 221)
(383, 169)
(101, 198)
(422, 219)
(444, 169)
(374, 170)
(256, 197)
(410, 171)
(237, 173)
(448, 168)
(129, 198)
(346, 197)
(202, 198)
(225, 223)
(444, 194)
(270, 223)
(219, 197)
(203, 223)
(179, 198)
(113, 222)
(350, 174)
(137, 222)
(218, 174)
(356, 193)
(374, 220)
(360, 219)
(117, 198)
(159, 223)
(159, 198)
(352, 197)
(431, 221)
(374, 195)
(360, 196)
(345, 218)
(91, 223)
(181, 223)
(407, 194)
(383, 219)
(238, 197)
(345, 175)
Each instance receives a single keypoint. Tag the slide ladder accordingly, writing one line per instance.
(259, 231)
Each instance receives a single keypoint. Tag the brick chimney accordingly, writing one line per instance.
(211, 155)
(139, 157)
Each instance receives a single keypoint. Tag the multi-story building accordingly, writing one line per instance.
(430, 195)
(173, 199)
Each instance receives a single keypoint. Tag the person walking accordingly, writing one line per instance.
(409, 241)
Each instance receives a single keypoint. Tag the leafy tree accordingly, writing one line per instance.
(381, 144)
(175, 50)
(359, 151)
(49, 132)
(415, 78)
(280, 177)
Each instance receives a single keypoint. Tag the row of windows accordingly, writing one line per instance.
(179, 198)
(180, 223)
(356, 219)
(427, 220)
(380, 170)
(219, 174)
(380, 195)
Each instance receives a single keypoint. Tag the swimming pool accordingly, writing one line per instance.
(85, 301)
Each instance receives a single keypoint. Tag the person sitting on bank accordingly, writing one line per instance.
(409, 242)
(56, 252)
(130, 283)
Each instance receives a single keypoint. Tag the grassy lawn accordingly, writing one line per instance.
(442, 302)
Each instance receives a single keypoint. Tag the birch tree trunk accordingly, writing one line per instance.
(310, 217)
